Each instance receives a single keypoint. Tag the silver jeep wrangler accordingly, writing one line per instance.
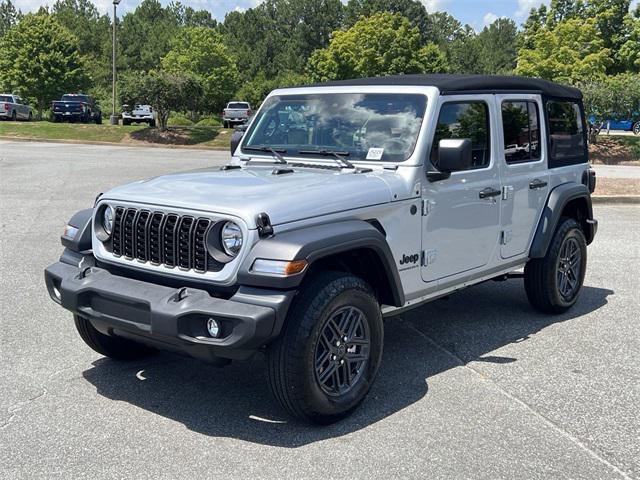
(343, 203)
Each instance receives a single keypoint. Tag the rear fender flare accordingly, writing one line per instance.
(558, 199)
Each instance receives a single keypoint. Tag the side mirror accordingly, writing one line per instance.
(236, 137)
(453, 155)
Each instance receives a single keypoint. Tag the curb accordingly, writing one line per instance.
(133, 144)
(616, 199)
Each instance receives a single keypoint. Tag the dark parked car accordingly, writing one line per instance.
(76, 107)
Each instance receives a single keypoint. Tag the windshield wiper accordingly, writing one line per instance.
(271, 150)
(339, 156)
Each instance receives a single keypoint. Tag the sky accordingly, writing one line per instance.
(476, 13)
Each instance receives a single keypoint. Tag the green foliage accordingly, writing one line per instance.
(615, 97)
(614, 27)
(280, 35)
(572, 51)
(492, 51)
(93, 32)
(255, 90)
(40, 59)
(209, 122)
(179, 120)
(201, 52)
(9, 16)
(164, 91)
(383, 44)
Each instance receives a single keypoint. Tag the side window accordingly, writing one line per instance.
(566, 132)
(464, 120)
(521, 127)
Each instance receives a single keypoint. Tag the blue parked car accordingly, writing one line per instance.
(628, 125)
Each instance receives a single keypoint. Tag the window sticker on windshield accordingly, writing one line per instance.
(375, 153)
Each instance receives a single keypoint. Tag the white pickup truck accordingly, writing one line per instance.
(139, 114)
(236, 113)
(12, 107)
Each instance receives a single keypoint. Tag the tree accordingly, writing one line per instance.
(255, 90)
(570, 52)
(201, 52)
(146, 34)
(613, 97)
(164, 91)
(280, 35)
(93, 31)
(9, 16)
(40, 58)
(383, 44)
(498, 47)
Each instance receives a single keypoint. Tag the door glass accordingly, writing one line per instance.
(521, 127)
(459, 120)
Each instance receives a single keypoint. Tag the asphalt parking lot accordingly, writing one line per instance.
(477, 386)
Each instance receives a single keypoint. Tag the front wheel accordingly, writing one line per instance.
(322, 366)
(112, 347)
(553, 283)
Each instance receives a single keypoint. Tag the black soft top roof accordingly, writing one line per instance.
(452, 84)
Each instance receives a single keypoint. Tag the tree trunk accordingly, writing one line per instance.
(163, 117)
(40, 109)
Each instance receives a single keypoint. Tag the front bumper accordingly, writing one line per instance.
(169, 318)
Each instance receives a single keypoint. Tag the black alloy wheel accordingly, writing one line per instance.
(342, 351)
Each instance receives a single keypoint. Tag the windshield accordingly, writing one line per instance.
(238, 106)
(75, 98)
(362, 126)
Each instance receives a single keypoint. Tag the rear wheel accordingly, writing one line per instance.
(326, 359)
(636, 128)
(553, 283)
(112, 347)
(126, 121)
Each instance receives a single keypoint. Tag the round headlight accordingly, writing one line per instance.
(107, 220)
(231, 239)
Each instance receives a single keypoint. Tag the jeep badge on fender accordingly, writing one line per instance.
(297, 247)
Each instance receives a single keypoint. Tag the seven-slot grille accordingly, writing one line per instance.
(163, 239)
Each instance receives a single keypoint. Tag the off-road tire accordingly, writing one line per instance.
(98, 119)
(126, 122)
(30, 117)
(636, 128)
(112, 347)
(14, 116)
(291, 359)
(541, 274)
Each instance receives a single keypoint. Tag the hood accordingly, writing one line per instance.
(305, 193)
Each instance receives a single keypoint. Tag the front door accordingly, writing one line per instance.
(461, 218)
(525, 176)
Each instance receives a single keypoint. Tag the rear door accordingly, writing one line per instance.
(525, 176)
(461, 220)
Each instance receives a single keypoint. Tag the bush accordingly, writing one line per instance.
(179, 120)
(209, 122)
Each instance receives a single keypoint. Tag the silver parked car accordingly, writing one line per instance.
(343, 204)
(12, 107)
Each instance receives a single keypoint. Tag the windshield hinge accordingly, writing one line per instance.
(264, 225)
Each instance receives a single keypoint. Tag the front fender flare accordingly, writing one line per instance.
(82, 241)
(315, 243)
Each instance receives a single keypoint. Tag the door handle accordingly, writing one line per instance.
(489, 192)
(535, 184)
